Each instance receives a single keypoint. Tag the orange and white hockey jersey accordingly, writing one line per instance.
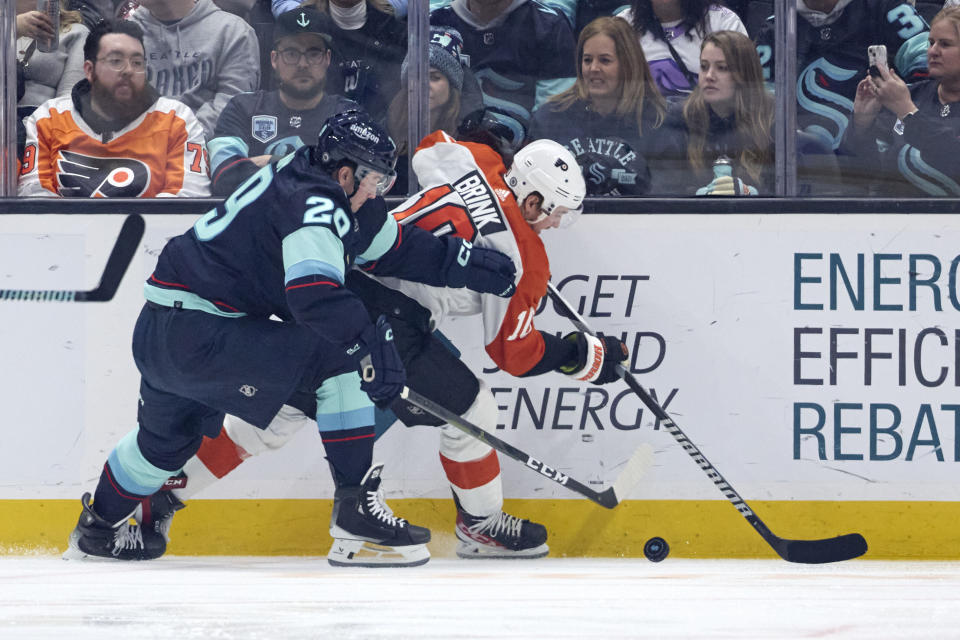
(465, 194)
(161, 153)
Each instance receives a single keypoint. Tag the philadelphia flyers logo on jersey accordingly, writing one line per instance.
(81, 176)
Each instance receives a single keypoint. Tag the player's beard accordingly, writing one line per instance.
(308, 92)
(117, 108)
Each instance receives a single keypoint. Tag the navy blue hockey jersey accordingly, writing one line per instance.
(280, 245)
(832, 59)
(509, 57)
(914, 157)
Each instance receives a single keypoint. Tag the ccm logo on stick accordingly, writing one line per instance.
(543, 469)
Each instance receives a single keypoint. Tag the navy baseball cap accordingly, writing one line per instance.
(300, 20)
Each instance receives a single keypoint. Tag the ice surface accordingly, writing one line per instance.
(291, 598)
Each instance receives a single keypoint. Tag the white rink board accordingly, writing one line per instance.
(734, 299)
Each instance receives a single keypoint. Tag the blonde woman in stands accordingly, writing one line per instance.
(612, 118)
(728, 120)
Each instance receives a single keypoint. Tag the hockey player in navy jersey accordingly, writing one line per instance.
(832, 41)
(206, 344)
(468, 193)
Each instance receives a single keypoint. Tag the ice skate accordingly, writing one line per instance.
(157, 513)
(94, 537)
(367, 534)
(499, 536)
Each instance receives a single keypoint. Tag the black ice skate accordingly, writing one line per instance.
(157, 513)
(367, 534)
(499, 536)
(94, 536)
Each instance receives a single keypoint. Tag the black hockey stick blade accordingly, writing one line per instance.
(629, 476)
(120, 256)
(845, 547)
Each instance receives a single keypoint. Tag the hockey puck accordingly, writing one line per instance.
(656, 549)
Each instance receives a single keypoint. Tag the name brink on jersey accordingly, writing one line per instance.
(479, 199)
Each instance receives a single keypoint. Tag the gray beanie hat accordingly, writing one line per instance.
(446, 45)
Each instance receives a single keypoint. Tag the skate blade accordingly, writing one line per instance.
(360, 553)
(470, 550)
(73, 551)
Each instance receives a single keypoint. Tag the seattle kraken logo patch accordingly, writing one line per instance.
(263, 128)
(81, 176)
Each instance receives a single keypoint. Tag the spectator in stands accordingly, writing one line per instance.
(612, 118)
(671, 32)
(832, 41)
(728, 120)
(521, 52)
(369, 45)
(448, 105)
(261, 127)
(912, 134)
(198, 54)
(446, 84)
(114, 136)
(48, 74)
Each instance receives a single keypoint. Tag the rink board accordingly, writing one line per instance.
(693, 528)
(812, 358)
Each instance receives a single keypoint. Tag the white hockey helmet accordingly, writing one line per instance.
(548, 168)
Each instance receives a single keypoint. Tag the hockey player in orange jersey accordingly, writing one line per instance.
(467, 192)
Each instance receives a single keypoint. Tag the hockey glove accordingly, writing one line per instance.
(479, 269)
(382, 375)
(727, 186)
(597, 358)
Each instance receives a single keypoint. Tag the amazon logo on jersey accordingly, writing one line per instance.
(81, 176)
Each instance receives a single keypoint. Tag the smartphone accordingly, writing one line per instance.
(876, 58)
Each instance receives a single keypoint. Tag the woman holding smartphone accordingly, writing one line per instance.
(913, 131)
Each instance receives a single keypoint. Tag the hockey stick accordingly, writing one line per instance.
(123, 249)
(631, 474)
(845, 547)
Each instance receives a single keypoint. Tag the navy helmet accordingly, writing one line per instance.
(355, 137)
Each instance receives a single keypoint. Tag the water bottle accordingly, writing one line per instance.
(52, 10)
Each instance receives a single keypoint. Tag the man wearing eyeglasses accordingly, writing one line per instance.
(113, 136)
(261, 127)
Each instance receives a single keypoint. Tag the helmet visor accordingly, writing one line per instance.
(375, 179)
(561, 216)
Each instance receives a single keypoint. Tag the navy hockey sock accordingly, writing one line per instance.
(350, 453)
(111, 501)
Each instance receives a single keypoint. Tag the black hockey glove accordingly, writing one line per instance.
(597, 358)
(479, 269)
(382, 375)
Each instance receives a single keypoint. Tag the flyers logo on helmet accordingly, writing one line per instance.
(81, 176)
